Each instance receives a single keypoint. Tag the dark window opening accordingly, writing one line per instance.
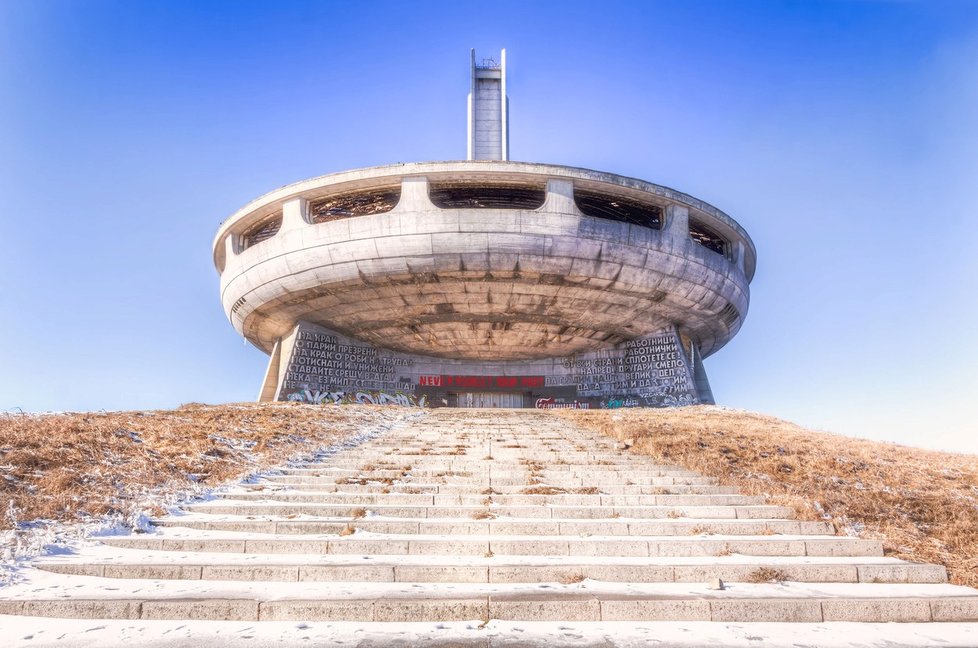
(262, 230)
(707, 237)
(361, 203)
(729, 315)
(617, 208)
(469, 195)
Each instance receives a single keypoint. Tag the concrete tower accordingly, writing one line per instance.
(488, 110)
(485, 282)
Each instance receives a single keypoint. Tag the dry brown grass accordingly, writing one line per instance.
(766, 575)
(543, 490)
(67, 467)
(922, 504)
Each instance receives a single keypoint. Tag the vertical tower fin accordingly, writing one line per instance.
(488, 110)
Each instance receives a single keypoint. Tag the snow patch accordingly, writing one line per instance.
(28, 539)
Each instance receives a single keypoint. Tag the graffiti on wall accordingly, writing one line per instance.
(666, 400)
(620, 377)
(560, 403)
(317, 397)
(616, 403)
(321, 359)
(326, 367)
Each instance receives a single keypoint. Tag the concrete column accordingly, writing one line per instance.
(269, 386)
(414, 195)
(677, 220)
(294, 213)
(740, 256)
(560, 197)
(704, 393)
(230, 247)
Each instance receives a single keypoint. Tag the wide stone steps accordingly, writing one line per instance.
(434, 569)
(468, 470)
(474, 482)
(435, 499)
(415, 487)
(517, 477)
(474, 516)
(536, 545)
(535, 511)
(557, 463)
(815, 604)
(501, 526)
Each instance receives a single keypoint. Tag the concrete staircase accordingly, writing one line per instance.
(483, 515)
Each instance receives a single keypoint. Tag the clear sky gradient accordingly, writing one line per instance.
(842, 135)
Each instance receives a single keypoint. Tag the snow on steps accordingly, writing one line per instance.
(497, 518)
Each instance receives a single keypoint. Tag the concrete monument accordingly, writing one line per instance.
(485, 282)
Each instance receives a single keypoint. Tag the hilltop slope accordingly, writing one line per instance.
(922, 504)
(73, 467)
(78, 466)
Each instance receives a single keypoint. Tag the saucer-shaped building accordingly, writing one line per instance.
(485, 282)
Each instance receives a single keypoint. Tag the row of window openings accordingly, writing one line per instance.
(459, 196)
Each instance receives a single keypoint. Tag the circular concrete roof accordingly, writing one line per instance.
(484, 284)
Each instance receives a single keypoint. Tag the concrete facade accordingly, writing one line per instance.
(486, 268)
(316, 365)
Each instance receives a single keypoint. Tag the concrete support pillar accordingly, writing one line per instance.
(230, 247)
(677, 221)
(704, 392)
(740, 256)
(269, 386)
(414, 195)
(294, 213)
(560, 197)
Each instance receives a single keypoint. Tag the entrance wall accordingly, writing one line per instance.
(317, 365)
(490, 399)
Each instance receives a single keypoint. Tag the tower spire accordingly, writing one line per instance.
(488, 122)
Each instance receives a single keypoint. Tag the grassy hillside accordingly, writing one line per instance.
(922, 504)
(68, 467)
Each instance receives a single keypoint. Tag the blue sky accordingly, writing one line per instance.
(842, 135)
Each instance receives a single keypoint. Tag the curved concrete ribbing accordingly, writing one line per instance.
(478, 283)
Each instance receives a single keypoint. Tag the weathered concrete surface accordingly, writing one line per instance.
(316, 365)
(484, 283)
(488, 111)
